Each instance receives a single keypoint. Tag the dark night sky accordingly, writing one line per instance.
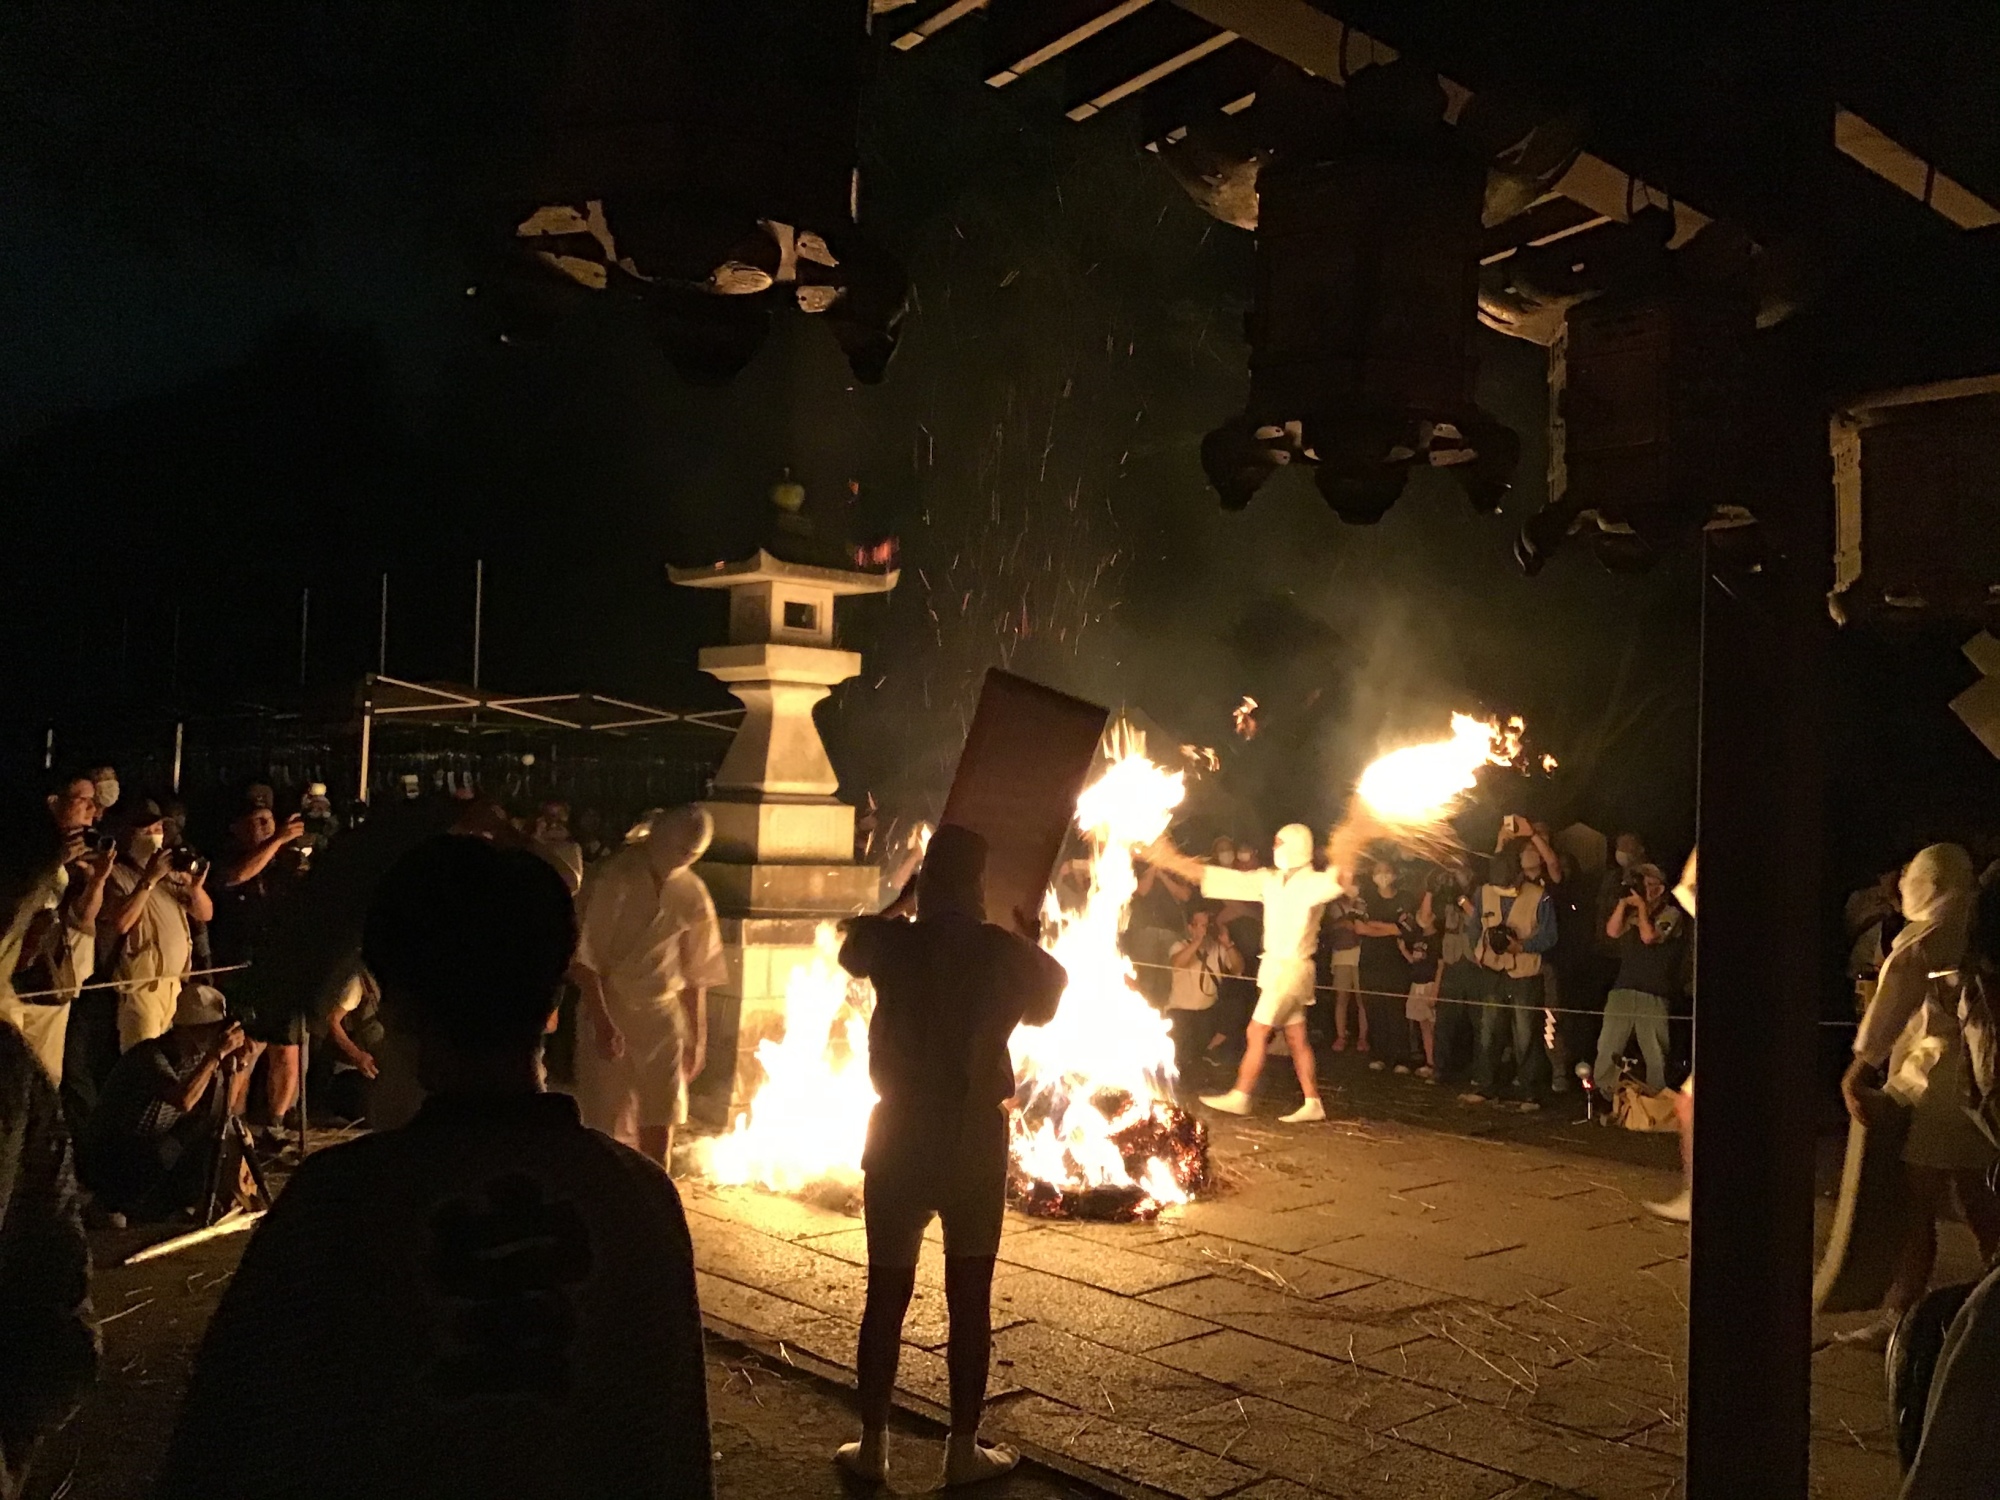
(234, 380)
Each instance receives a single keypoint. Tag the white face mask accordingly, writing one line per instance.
(145, 845)
(1292, 850)
(107, 792)
(1624, 858)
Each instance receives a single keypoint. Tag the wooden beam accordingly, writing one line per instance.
(931, 25)
(1547, 219)
(1200, 89)
(1146, 49)
(1309, 38)
(1028, 33)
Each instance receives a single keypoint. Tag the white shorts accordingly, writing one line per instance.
(1423, 1002)
(1284, 990)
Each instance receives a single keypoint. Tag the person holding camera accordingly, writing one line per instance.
(147, 1150)
(144, 942)
(1517, 926)
(1651, 935)
(50, 943)
(255, 876)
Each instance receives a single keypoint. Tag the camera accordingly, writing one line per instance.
(183, 860)
(1499, 938)
(95, 840)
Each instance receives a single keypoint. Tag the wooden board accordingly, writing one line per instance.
(1871, 1220)
(1026, 758)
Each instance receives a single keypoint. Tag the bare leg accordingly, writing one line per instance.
(1982, 1212)
(1255, 1041)
(1684, 1118)
(875, 1359)
(1429, 1031)
(968, 1293)
(1913, 1272)
(239, 1083)
(656, 1143)
(1303, 1061)
(281, 1080)
(1345, 1002)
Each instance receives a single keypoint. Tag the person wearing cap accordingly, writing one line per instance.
(1652, 968)
(146, 1149)
(649, 951)
(143, 938)
(950, 987)
(1292, 894)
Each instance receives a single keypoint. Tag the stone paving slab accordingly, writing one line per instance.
(1369, 1308)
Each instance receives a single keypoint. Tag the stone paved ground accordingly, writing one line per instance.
(1376, 1307)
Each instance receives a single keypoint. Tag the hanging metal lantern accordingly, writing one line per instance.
(1360, 331)
(700, 163)
(1649, 394)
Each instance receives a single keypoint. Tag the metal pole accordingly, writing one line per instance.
(382, 633)
(49, 749)
(478, 613)
(367, 737)
(179, 727)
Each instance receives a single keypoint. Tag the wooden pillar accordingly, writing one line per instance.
(1758, 990)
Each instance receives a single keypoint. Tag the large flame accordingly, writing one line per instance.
(809, 1119)
(1095, 1121)
(1100, 1076)
(1422, 784)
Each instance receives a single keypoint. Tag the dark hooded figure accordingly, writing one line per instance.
(950, 988)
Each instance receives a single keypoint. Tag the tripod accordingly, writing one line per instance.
(230, 1132)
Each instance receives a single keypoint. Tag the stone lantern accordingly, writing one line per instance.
(782, 861)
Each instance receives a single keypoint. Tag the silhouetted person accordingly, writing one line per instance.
(48, 1334)
(491, 1300)
(950, 988)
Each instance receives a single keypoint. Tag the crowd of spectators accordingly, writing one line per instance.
(151, 997)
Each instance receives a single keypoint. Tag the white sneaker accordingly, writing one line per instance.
(1472, 1096)
(1873, 1336)
(1678, 1209)
(1377, 1066)
(1427, 1073)
(1309, 1113)
(1235, 1102)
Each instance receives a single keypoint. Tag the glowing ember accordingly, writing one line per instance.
(809, 1120)
(1201, 758)
(1095, 1130)
(1245, 716)
(1548, 762)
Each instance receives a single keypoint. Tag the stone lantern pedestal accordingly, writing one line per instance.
(782, 862)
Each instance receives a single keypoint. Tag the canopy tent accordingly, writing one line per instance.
(478, 710)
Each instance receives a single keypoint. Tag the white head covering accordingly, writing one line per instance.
(1293, 848)
(679, 836)
(1938, 891)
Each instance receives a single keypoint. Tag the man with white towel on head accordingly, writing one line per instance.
(1292, 894)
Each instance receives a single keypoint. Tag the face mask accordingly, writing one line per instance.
(1624, 859)
(107, 792)
(144, 846)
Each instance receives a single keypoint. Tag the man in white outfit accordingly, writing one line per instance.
(649, 950)
(1293, 894)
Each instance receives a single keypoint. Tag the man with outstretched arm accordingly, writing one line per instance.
(1293, 894)
(950, 988)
